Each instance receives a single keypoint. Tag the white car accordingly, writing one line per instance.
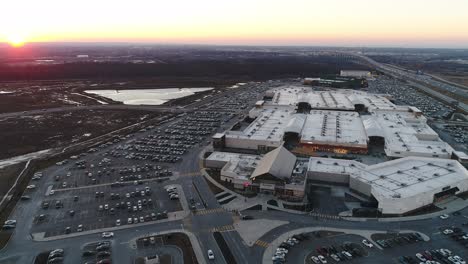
(445, 252)
(447, 231)
(315, 259)
(30, 187)
(107, 234)
(367, 243)
(421, 257)
(444, 216)
(460, 260)
(10, 222)
(210, 254)
(117, 222)
(52, 192)
(170, 188)
(282, 250)
(335, 257)
(322, 259)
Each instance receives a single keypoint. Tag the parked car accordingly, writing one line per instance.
(444, 216)
(210, 254)
(367, 243)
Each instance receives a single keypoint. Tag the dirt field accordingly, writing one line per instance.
(460, 79)
(21, 135)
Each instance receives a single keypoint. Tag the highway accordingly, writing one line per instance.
(418, 83)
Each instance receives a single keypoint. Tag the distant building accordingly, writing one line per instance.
(356, 74)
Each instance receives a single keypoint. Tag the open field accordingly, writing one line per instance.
(25, 134)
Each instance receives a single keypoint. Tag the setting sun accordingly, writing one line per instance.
(16, 40)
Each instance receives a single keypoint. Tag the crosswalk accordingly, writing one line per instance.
(325, 216)
(223, 228)
(209, 211)
(261, 243)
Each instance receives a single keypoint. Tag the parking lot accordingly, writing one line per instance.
(332, 247)
(405, 94)
(327, 247)
(121, 182)
(67, 210)
(97, 252)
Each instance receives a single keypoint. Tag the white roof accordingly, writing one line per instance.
(404, 132)
(278, 162)
(405, 177)
(334, 128)
(334, 166)
(229, 156)
(296, 123)
(342, 99)
(373, 128)
(269, 125)
(239, 166)
(409, 176)
(317, 127)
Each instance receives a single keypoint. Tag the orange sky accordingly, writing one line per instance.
(429, 23)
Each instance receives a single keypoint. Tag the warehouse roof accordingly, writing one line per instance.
(405, 133)
(409, 176)
(317, 127)
(334, 128)
(342, 99)
(398, 178)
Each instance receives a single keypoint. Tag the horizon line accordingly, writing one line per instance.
(368, 46)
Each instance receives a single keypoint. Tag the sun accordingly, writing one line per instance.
(16, 41)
